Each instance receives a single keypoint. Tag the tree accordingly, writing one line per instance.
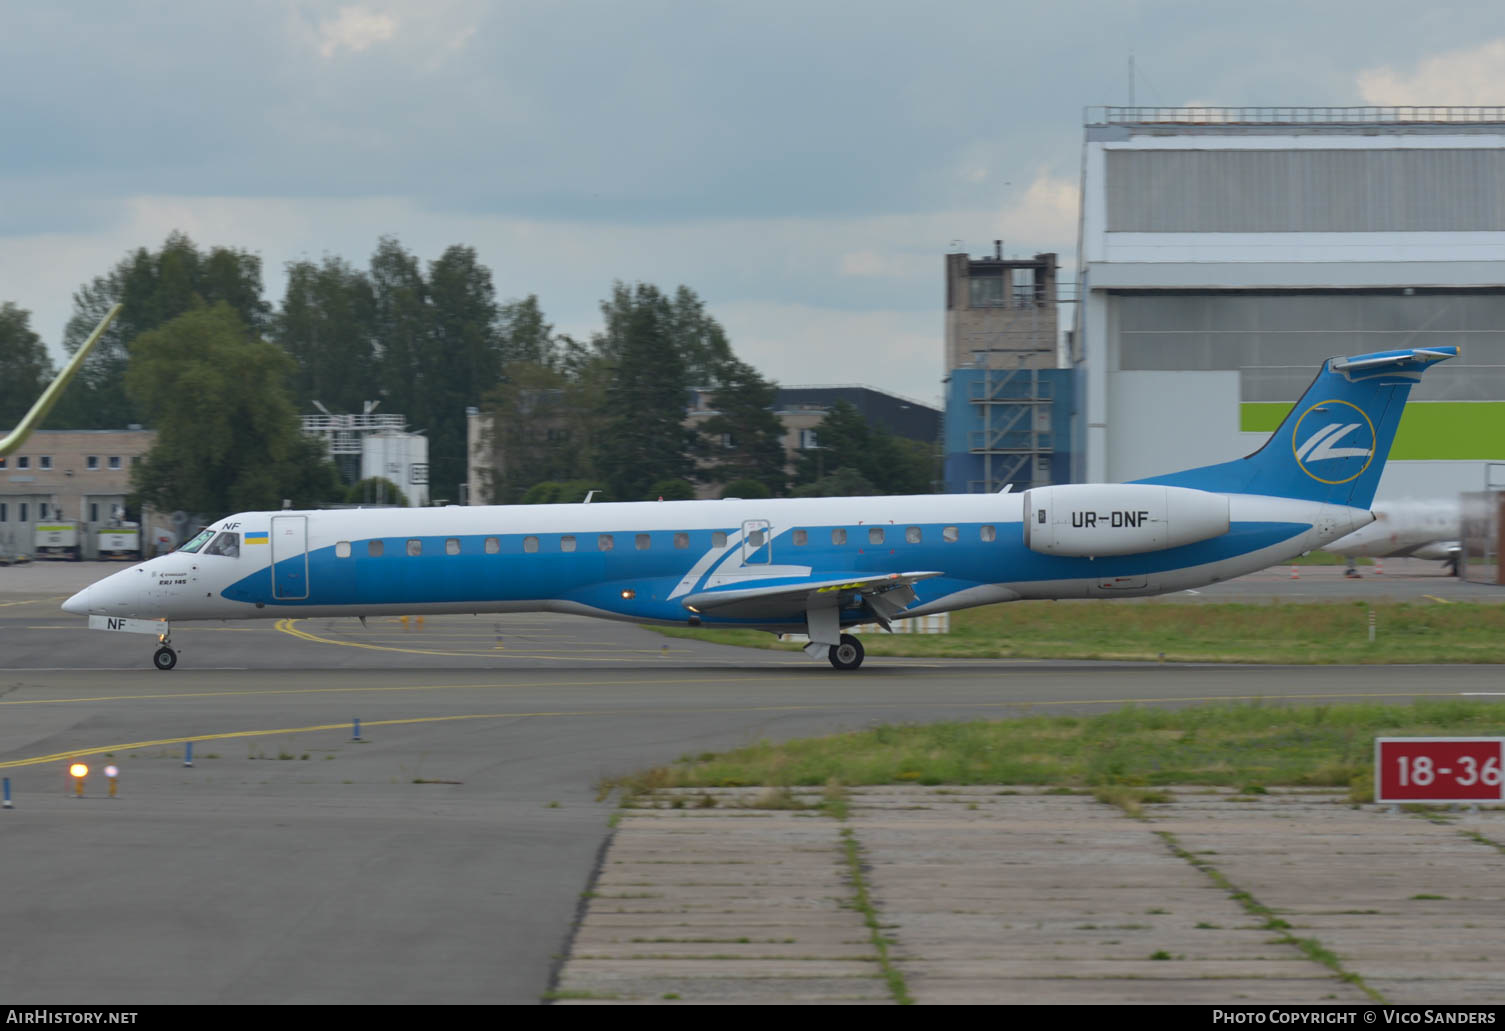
(25, 369)
(525, 336)
(327, 324)
(744, 439)
(892, 465)
(153, 287)
(461, 361)
(228, 436)
(645, 437)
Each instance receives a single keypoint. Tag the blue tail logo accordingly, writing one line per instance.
(1338, 464)
(1339, 434)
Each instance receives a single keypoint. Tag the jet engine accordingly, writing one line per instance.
(1099, 519)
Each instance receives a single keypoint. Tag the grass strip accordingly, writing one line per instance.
(1247, 746)
(864, 905)
(1310, 947)
(1317, 633)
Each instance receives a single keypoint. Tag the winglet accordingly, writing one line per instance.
(49, 397)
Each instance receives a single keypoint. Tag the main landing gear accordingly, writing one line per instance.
(165, 658)
(846, 655)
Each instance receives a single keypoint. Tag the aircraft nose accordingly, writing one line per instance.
(79, 603)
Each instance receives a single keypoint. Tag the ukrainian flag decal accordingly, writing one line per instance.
(256, 536)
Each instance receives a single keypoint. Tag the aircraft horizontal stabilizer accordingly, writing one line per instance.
(779, 599)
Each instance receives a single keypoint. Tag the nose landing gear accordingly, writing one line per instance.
(165, 658)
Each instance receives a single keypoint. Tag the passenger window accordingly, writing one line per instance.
(566, 543)
(605, 542)
(912, 534)
(374, 548)
(681, 540)
(641, 542)
(493, 545)
(530, 544)
(987, 533)
(718, 539)
(949, 534)
(415, 546)
(755, 539)
(341, 549)
(452, 546)
(801, 538)
(838, 536)
(875, 535)
(226, 544)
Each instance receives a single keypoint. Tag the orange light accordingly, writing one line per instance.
(79, 770)
(629, 594)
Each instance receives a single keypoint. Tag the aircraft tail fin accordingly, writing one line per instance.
(1333, 443)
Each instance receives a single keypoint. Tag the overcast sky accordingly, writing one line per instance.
(803, 166)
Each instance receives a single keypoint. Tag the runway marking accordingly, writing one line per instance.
(32, 601)
(1440, 601)
(614, 655)
(77, 753)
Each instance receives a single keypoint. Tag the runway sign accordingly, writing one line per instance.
(1438, 769)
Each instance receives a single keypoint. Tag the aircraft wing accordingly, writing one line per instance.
(16, 437)
(886, 594)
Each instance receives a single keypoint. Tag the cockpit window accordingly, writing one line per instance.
(198, 542)
(226, 544)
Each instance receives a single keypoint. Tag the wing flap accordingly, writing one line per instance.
(892, 591)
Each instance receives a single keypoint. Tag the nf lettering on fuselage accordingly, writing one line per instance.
(1339, 436)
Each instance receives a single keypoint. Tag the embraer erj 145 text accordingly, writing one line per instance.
(797, 565)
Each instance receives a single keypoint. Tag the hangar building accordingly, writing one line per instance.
(1224, 252)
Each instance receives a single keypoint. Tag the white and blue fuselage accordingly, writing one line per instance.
(810, 566)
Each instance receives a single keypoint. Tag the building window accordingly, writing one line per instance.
(641, 542)
(452, 546)
(3, 516)
(808, 440)
(23, 462)
(23, 511)
(566, 543)
(530, 544)
(3, 461)
(92, 462)
(46, 462)
(93, 511)
(341, 549)
(114, 461)
(681, 540)
(493, 545)
(838, 536)
(374, 548)
(912, 534)
(415, 546)
(801, 538)
(875, 535)
(985, 291)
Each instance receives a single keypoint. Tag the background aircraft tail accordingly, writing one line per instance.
(1333, 443)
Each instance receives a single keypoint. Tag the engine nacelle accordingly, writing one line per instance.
(1095, 519)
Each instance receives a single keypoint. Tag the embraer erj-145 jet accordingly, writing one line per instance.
(796, 565)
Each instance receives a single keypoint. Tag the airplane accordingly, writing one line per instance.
(38, 411)
(795, 565)
(1409, 529)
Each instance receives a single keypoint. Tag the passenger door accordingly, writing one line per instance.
(289, 558)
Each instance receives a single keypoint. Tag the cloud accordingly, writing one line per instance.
(355, 29)
(1461, 77)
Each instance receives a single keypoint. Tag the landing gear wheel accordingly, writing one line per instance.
(846, 655)
(166, 658)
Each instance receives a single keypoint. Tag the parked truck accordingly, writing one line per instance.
(59, 539)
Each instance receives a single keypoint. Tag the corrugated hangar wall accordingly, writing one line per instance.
(1223, 263)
